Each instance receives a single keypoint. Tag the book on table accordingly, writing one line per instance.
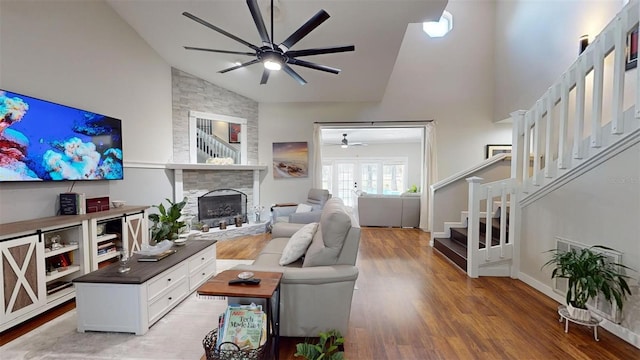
(157, 257)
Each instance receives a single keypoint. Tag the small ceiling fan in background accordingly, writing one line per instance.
(345, 143)
(275, 56)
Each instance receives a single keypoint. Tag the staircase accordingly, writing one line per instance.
(455, 246)
(579, 123)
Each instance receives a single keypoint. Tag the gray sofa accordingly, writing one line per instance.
(316, 198)
(389, 210)
(316, 291)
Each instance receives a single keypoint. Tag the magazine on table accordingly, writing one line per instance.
(242, 325)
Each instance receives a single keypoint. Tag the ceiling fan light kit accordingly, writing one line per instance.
(275, 56)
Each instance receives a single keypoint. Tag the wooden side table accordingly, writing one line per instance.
(268, 288)
(564, 315)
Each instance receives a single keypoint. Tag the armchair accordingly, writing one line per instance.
(316, 198)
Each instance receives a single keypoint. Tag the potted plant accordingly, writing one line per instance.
(328, 347)
(589, 273)
(167, 223)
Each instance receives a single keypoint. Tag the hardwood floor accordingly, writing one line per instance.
(412, 303)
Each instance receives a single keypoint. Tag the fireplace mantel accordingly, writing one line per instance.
(210, 167)
(179, 168)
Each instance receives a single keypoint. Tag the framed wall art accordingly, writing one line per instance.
(495, 149)
(234, 133)
(632, 49)
(290, 160)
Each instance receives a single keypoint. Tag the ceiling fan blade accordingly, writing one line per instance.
(320, 51)
(314, 66)
(220, 51)
(293, 74)
(257, 19)
(303, 30)
(265, 76)
(239, 66)
(215, 28)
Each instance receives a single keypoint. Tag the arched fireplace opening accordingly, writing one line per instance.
(222, 204)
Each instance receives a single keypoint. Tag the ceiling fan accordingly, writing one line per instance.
(345, 143)
(275, 56)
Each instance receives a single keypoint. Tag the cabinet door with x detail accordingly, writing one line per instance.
(22, 269)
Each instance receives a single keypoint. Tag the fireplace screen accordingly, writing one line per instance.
(222, 204)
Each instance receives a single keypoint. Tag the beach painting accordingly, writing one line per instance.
(290, 160)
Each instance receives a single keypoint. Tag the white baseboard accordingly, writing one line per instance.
(617, 330)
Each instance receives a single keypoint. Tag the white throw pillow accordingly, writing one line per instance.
(298, 244)
(303, 208)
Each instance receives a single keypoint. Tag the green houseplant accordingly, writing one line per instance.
(167, 224)
(327, 348)
(589, 273)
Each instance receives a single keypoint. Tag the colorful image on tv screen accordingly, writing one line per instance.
(44, 141)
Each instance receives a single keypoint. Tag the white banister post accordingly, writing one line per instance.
(537, 117)
(548, 156)
(473, 221)
(518, 119)
(488, 230)
(578, 123)
(526, 151)
(620, 35)
(503, 217)
(514, 231)
(598, 81)
(564, 120)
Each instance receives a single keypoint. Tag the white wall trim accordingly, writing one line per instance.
(589, 164)
(144, 165)
(617, 330)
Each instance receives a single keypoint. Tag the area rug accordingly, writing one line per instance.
(177, 336)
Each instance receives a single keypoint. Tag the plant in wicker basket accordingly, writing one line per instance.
(328, 347)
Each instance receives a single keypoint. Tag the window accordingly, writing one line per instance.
(344, 177)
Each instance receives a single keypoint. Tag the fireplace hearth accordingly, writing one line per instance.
(222, 205)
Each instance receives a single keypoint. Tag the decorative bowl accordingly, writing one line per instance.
(118, 203)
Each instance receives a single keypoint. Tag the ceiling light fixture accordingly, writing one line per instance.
(439, 28)
(272, 65)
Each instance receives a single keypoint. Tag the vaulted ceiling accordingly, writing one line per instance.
(375, 27)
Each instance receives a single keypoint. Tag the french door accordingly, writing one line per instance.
(345, 178)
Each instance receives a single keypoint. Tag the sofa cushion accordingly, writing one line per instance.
(327, 243)
(298, 244)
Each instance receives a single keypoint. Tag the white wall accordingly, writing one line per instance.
(81, 54)
(598, 208)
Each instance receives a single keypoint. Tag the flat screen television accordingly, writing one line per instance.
(45, 141)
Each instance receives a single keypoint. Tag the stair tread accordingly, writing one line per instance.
(452, 250)
(454, 245)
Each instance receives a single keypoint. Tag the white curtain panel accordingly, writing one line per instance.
(317, 157)
(429, 174)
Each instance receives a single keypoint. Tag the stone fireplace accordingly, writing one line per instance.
(222, 205)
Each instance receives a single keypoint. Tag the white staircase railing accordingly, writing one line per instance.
(559, 133)
(499, 194)
(214, 147)
(211, 146)
(560, 137)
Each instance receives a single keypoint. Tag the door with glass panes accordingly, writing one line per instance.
(345, 178)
